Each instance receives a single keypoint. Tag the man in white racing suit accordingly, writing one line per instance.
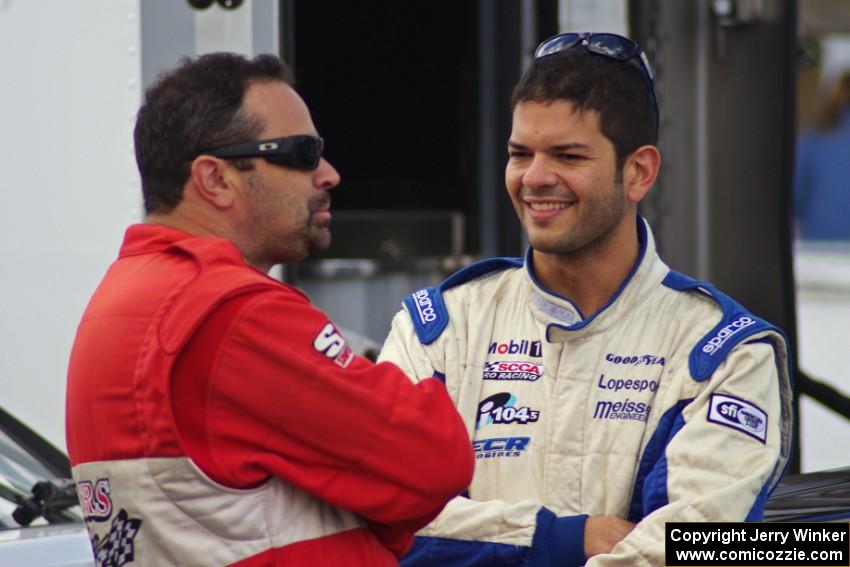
(605, 394)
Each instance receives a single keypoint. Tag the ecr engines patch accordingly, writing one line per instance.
(738, 414)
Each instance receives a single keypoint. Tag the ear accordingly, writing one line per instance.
(213, 181)
(640, 172)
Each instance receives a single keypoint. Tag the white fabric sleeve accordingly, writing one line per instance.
(402, 348)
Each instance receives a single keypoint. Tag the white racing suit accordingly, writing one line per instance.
(671, 403)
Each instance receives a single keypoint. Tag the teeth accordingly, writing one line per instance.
(547, 206)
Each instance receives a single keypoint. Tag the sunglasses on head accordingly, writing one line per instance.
(299, 152)
(608, 45)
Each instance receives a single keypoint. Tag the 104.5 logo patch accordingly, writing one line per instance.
(502, 408)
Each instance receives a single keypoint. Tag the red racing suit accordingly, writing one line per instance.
(215, 417)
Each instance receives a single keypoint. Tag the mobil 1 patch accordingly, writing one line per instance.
(738, 414)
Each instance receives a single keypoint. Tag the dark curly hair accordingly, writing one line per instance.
(193, 108)
(615, 89)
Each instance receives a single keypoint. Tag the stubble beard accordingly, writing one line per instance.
(271, 242)
(595, 223)
(318, 240)
(318, 236)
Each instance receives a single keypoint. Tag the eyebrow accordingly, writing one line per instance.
(556, 148)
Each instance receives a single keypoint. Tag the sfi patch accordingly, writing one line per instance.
(331, 343)
(738, 414)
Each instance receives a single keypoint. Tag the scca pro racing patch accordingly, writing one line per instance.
(738, 414)
(512, 370)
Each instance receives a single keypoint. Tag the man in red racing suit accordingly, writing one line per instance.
(215, 417)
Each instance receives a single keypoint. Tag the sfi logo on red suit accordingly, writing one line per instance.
(331, 343)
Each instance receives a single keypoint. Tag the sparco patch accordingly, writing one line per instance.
(738, 414)
(727, 332)
(424, 307)
(512, 370)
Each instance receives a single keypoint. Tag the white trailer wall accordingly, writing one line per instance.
(71, 77)
(73, 74)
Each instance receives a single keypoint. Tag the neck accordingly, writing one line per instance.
(180, 222)
(200, 225)
(590, 277)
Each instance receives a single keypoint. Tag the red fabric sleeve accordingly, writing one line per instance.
(266, 388)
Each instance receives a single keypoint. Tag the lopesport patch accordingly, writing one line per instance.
(738, 414)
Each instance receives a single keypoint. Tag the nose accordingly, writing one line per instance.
(539, 174)
(326, 177)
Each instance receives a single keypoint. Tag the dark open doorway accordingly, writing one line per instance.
(392, 88)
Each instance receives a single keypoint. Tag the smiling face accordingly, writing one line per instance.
(286, 212)
(563, 181)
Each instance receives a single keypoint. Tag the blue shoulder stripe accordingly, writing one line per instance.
(650, 488)
(427, 308)
(428, 312)
(736, 325)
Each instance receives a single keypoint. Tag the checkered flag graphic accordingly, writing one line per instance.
(117, 547)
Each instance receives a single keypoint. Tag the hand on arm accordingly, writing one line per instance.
(602, 533)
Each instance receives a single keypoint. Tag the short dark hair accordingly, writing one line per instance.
(191, 109)
(615, 89)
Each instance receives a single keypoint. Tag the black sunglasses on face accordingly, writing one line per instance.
(299, 152)
(608, 45)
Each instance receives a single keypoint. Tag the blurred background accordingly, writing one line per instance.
(412, 99)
